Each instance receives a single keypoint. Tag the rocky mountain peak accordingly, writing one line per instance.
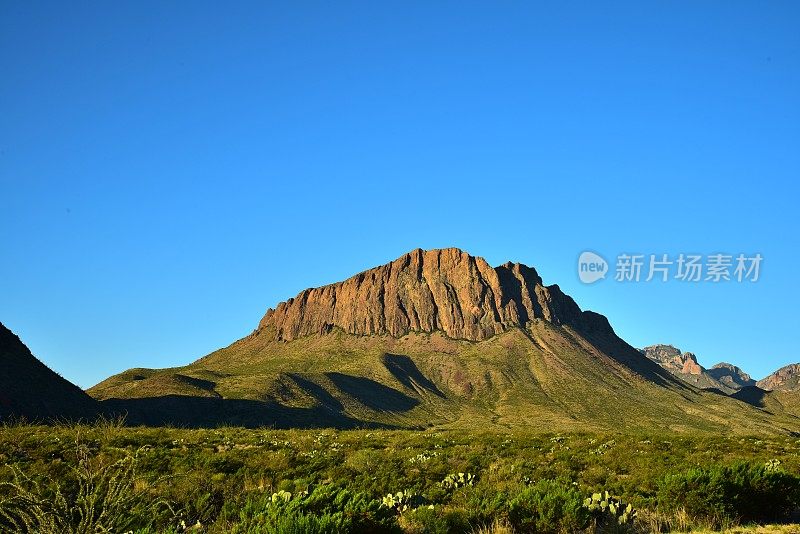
(731, 375)
(784, 379)
(424, 291)
(672, 359)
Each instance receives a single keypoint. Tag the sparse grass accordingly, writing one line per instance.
(223, 479)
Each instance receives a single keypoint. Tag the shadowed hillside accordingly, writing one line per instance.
(29, 389)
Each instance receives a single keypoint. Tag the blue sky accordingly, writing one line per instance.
(168, 172)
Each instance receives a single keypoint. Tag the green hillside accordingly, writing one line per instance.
(545, 377)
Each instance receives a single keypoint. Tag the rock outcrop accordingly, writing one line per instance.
(673, 360)
(443, 290)
(784, 379)
(725, 377)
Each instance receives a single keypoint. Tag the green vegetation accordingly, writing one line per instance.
(548, 506)
(610, 510)
(111, 478)
(726, 494)
(545, 376)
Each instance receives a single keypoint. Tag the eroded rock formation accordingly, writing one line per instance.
(425, 291)
(784, 379)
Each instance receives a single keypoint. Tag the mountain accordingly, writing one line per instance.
(29, 389)
(673, 360)
(723, 376)
(730, 375)
(784, 379)
(435, 338)
(777, 393)
(439, 290)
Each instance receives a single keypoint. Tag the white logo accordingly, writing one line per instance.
(591, 267)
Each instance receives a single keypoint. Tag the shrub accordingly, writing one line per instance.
(738, 493)
(548, 506)
(435, 521)
(294, 522)
(97, 497)
(484, 503)
(325, 509)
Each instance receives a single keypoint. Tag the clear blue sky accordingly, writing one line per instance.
(168, 171)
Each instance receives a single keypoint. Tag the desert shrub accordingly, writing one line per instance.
(722, 494)
(284, 521)
(436, 521)
(220, 478)
(98, 496)
(482, 503)
(201, 504)
(326, 509)
(548, 506)
(423, 521)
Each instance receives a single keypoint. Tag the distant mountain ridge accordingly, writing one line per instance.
(30, 389)
(723, 376)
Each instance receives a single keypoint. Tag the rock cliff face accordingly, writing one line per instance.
(424, 291)
(673, 360)
(784, 379)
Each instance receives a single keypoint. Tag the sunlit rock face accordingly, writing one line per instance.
(424, 291)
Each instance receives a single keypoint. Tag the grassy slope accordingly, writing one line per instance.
(548, 378)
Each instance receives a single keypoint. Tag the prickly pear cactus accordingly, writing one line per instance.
(281, 496)
(458, 480)
(402, 501)
(608, 509)
(773, 465)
